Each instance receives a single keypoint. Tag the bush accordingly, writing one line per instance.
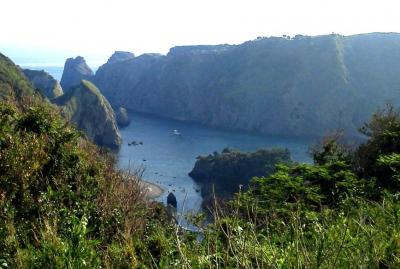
(62, 201)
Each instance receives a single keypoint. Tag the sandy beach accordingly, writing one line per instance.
(151, 190)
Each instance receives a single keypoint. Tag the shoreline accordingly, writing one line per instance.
(151, 190)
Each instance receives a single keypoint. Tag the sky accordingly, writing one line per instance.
(56, 29)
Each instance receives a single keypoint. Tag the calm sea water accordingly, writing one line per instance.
(168, 158)
(55, 71)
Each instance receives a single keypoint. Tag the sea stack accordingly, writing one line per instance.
(171, 200)
(122, 117)
(75, 70)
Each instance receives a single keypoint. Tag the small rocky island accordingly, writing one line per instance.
(122, 117)
(230, 169)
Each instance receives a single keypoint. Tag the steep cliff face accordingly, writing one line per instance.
(303, 86)
(90, 111)
(44, 82)
(118, 78)
(75, 70)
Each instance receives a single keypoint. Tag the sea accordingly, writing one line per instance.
(165, 158)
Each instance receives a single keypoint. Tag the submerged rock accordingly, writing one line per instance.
(122, 117)
(43, 81)
(91, 112)
(75, 70)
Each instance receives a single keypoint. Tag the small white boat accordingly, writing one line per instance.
(176, 132)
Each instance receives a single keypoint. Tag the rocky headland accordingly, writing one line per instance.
(92, 113)
(299, 86)
(44, 82)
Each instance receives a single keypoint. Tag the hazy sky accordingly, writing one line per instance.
(95, 28)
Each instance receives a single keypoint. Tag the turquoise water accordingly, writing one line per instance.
(168, 158)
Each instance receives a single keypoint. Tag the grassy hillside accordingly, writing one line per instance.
(44, 82)
(90, 111)
(63, 204)
(13, 85)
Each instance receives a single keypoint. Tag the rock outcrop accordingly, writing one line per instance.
(122, 117)
(44, 82)
(120, 56)
(226, 172)
(301, 86)
(75, 70)
(84, 104)
(171, 200)
(91, 112)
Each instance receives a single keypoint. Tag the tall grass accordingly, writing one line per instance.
(364, 234)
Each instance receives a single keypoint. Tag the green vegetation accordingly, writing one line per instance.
(301, 86)
(13, 85)
(44, 82)
(63, 204)
(84, 105)
(222, 173)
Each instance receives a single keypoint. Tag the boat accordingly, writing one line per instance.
(176, 132)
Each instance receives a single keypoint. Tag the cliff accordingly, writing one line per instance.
(44, 82)
(75, 70)
(301, 86)
(90, 111)
(116, 79)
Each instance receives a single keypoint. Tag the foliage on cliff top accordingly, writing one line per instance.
(44, 83)
(231, 168)
(63, 202)
(13, 85)
(84, 105)
(64, 205)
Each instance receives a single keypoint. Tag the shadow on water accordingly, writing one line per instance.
(169, 156)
